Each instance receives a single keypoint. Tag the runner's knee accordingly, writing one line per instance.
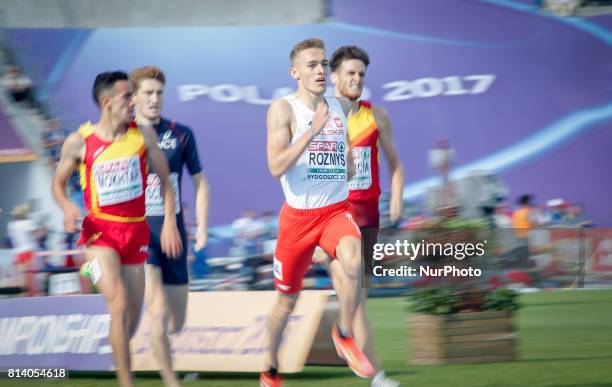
(349, 254)
(176, 324)
(158, 323)
(118, 308)
(337, 273)
(286, 304)
(134, 321)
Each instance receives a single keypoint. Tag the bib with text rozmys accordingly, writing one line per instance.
(118, 181)
(363, 175)
(326, 153)
(154, 198)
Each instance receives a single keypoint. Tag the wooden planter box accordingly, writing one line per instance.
(461, 338)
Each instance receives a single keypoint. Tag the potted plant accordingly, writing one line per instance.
(452, 326)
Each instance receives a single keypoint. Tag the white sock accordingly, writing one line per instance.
(379, 376)
(342, 330)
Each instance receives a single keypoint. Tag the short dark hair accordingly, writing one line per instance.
(304, 45)
(346, 53)
(105, 81)
(525, 200)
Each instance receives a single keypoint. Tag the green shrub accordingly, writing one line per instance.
(501, 299)
(446, 300)
(434, 301)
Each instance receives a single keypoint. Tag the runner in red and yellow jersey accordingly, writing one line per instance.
(368, 126)
(113, 157)
(112, 179)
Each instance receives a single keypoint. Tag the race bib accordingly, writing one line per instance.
(363, 163)
(326, 155)
(154, 198)
(118, 181)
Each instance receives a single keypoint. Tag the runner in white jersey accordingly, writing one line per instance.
(307, 151)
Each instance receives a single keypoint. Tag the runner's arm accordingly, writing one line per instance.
(351, 168)
(202, 193)
(395, 166)
(71, 154)
(200, 185)
(170, 238)
(282, 155)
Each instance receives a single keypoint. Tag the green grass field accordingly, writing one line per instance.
(565, 340)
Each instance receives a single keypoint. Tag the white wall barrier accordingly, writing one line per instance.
(224, 331)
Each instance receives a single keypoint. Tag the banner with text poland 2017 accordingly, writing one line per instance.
(224, 331)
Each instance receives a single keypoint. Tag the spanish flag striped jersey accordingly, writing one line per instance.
(113, 175)
(363, 137)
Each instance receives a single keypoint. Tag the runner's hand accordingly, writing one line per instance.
(171, 240)
(319, 118)
(396, 208)
(72, 214)
(201, 238)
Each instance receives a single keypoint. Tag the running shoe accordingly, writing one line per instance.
(267, 380)
(349, 350)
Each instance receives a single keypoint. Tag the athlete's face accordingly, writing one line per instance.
(120, 104)
(310, 70)
(348, 78)
(149, 98)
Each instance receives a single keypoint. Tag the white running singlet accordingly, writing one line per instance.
(318, 178)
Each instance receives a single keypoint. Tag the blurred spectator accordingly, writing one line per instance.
(574, 216)
(561, 7)
(40, 219)
(23, 233)
(556, 209)
(247, 231)
(42, 231)
(53, 137)
(501, 216)
(524, 218)
(269, 225)
(565, 214)
(18, 85)
(442, 199)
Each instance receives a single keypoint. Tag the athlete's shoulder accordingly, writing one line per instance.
(181, 131)
(174, 125)
(73, 144)
(182, 128)
(365, 104)
(281, 109)
(380, 114)
(85, 129)
(281, 104)
(76, 137)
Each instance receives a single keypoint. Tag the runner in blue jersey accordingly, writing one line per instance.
(167, 278)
